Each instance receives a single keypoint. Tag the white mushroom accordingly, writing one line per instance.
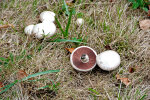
(29, 29)
(108, 60)
(48, 16)
(80, 21)
(83, 58)
(44, 29)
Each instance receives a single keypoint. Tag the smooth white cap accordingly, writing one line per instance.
(29, 29)
(44, 29)
(80, 21)
(48, 16)
(108, 60)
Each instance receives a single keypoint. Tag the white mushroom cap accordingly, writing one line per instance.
(48, 16)
(44, 29)
(80, 21)
(29, 29)
(108, 60)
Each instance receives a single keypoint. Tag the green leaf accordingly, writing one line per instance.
(40, 73)
(145, 9)
(135, 5)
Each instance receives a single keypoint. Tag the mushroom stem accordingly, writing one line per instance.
(84, 58)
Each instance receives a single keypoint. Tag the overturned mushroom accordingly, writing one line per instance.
(83, 58)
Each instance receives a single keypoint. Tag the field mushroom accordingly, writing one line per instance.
(108, 60)
(83, 58)
(47, 16)
(44, 29)
(29, 29)
(80, 21)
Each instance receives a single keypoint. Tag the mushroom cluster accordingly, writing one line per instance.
(45, 29)
(85, 59)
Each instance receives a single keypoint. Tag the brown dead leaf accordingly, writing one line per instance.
(107, 47)
(21, 74)
(149, 13)
(69, 2)
(70, 49)
(144, 24)
(126, 81)
(149, 10)
(6, 26)
(1, 85)
(131, 69)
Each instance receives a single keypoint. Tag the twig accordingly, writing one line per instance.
(6, 26)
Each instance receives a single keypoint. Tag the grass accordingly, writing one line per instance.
(113, 24)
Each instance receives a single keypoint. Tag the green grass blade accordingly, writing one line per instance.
(26, 78)
(143, 97)
(59, 25)
(66, 40)
(94, 91)
(47, 86)
(66, 7)
(4, 59)
(9, 86)
(40, 73)
(68, 24)
(11, 57)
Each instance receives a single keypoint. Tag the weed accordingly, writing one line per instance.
(5, 88)
(140, 4)
(93, 93)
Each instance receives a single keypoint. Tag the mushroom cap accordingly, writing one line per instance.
(44, 29)
(80, 21)
(108, 60)
(48, 16)
(28, 29)
(75, 58)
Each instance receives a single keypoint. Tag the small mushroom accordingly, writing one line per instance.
(108, 60)
(83, 58)
(29, 29)
(44, 29)
(80, 21)
(47, 16)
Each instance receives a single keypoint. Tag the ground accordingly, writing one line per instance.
(106, 25)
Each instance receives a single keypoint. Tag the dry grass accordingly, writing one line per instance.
(114, 24)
